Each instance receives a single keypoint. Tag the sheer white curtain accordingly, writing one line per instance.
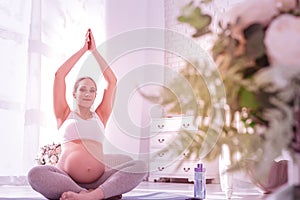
(36, 37)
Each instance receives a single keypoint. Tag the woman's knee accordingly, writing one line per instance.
(41, 178)
(38, 175)
(139, 167)
(139, 171)
(35, 174)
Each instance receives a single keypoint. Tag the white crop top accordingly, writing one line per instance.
(76, 128)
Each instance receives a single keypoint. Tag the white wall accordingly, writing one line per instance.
(121, 17)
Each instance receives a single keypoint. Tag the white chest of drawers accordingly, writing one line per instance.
(164, 132)
(165, 164)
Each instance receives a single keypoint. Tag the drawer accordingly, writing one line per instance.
(158, 155)
(162, 140)
(171, 167)
(173, 124)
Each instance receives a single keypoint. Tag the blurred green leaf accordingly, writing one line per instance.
(195, 18)
(247, 99)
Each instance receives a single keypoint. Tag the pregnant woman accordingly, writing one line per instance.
(81, 172)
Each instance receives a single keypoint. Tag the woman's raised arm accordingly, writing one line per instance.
(61, 107)
(105, 108)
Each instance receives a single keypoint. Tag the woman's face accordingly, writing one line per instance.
(85, 93)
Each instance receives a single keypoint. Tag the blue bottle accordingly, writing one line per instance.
(199, 182)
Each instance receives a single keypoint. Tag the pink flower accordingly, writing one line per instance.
(250, 12)
(282, 43)
(53, 159)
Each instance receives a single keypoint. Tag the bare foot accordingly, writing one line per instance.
(83, 195)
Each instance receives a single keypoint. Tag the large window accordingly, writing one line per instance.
(36, 37)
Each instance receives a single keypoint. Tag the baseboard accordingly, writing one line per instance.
(13, 180)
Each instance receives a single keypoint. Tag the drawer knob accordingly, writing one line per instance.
(186, 169)
(161, 154)
(160, 126)
(161, 140)
(160, 168)
(186, 125)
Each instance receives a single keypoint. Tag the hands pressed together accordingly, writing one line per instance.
(89, 41)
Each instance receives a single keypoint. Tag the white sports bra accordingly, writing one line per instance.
(76, 128)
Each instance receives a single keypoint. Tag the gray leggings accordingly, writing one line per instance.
(122, 175)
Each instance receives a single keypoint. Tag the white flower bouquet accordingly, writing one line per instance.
(49, 154)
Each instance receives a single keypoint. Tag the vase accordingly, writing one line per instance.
(290, 190)
(226, 177)
(294, 169)
(276, 177)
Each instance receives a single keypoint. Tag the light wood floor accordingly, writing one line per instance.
(213, 191)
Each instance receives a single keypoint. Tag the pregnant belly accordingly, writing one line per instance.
(82, 165)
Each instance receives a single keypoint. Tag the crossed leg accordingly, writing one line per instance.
(54, 183)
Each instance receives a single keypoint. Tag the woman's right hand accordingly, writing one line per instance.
(92, 45)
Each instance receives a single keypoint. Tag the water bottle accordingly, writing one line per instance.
(199, 182)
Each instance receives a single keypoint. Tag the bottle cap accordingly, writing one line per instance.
(200, 168)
